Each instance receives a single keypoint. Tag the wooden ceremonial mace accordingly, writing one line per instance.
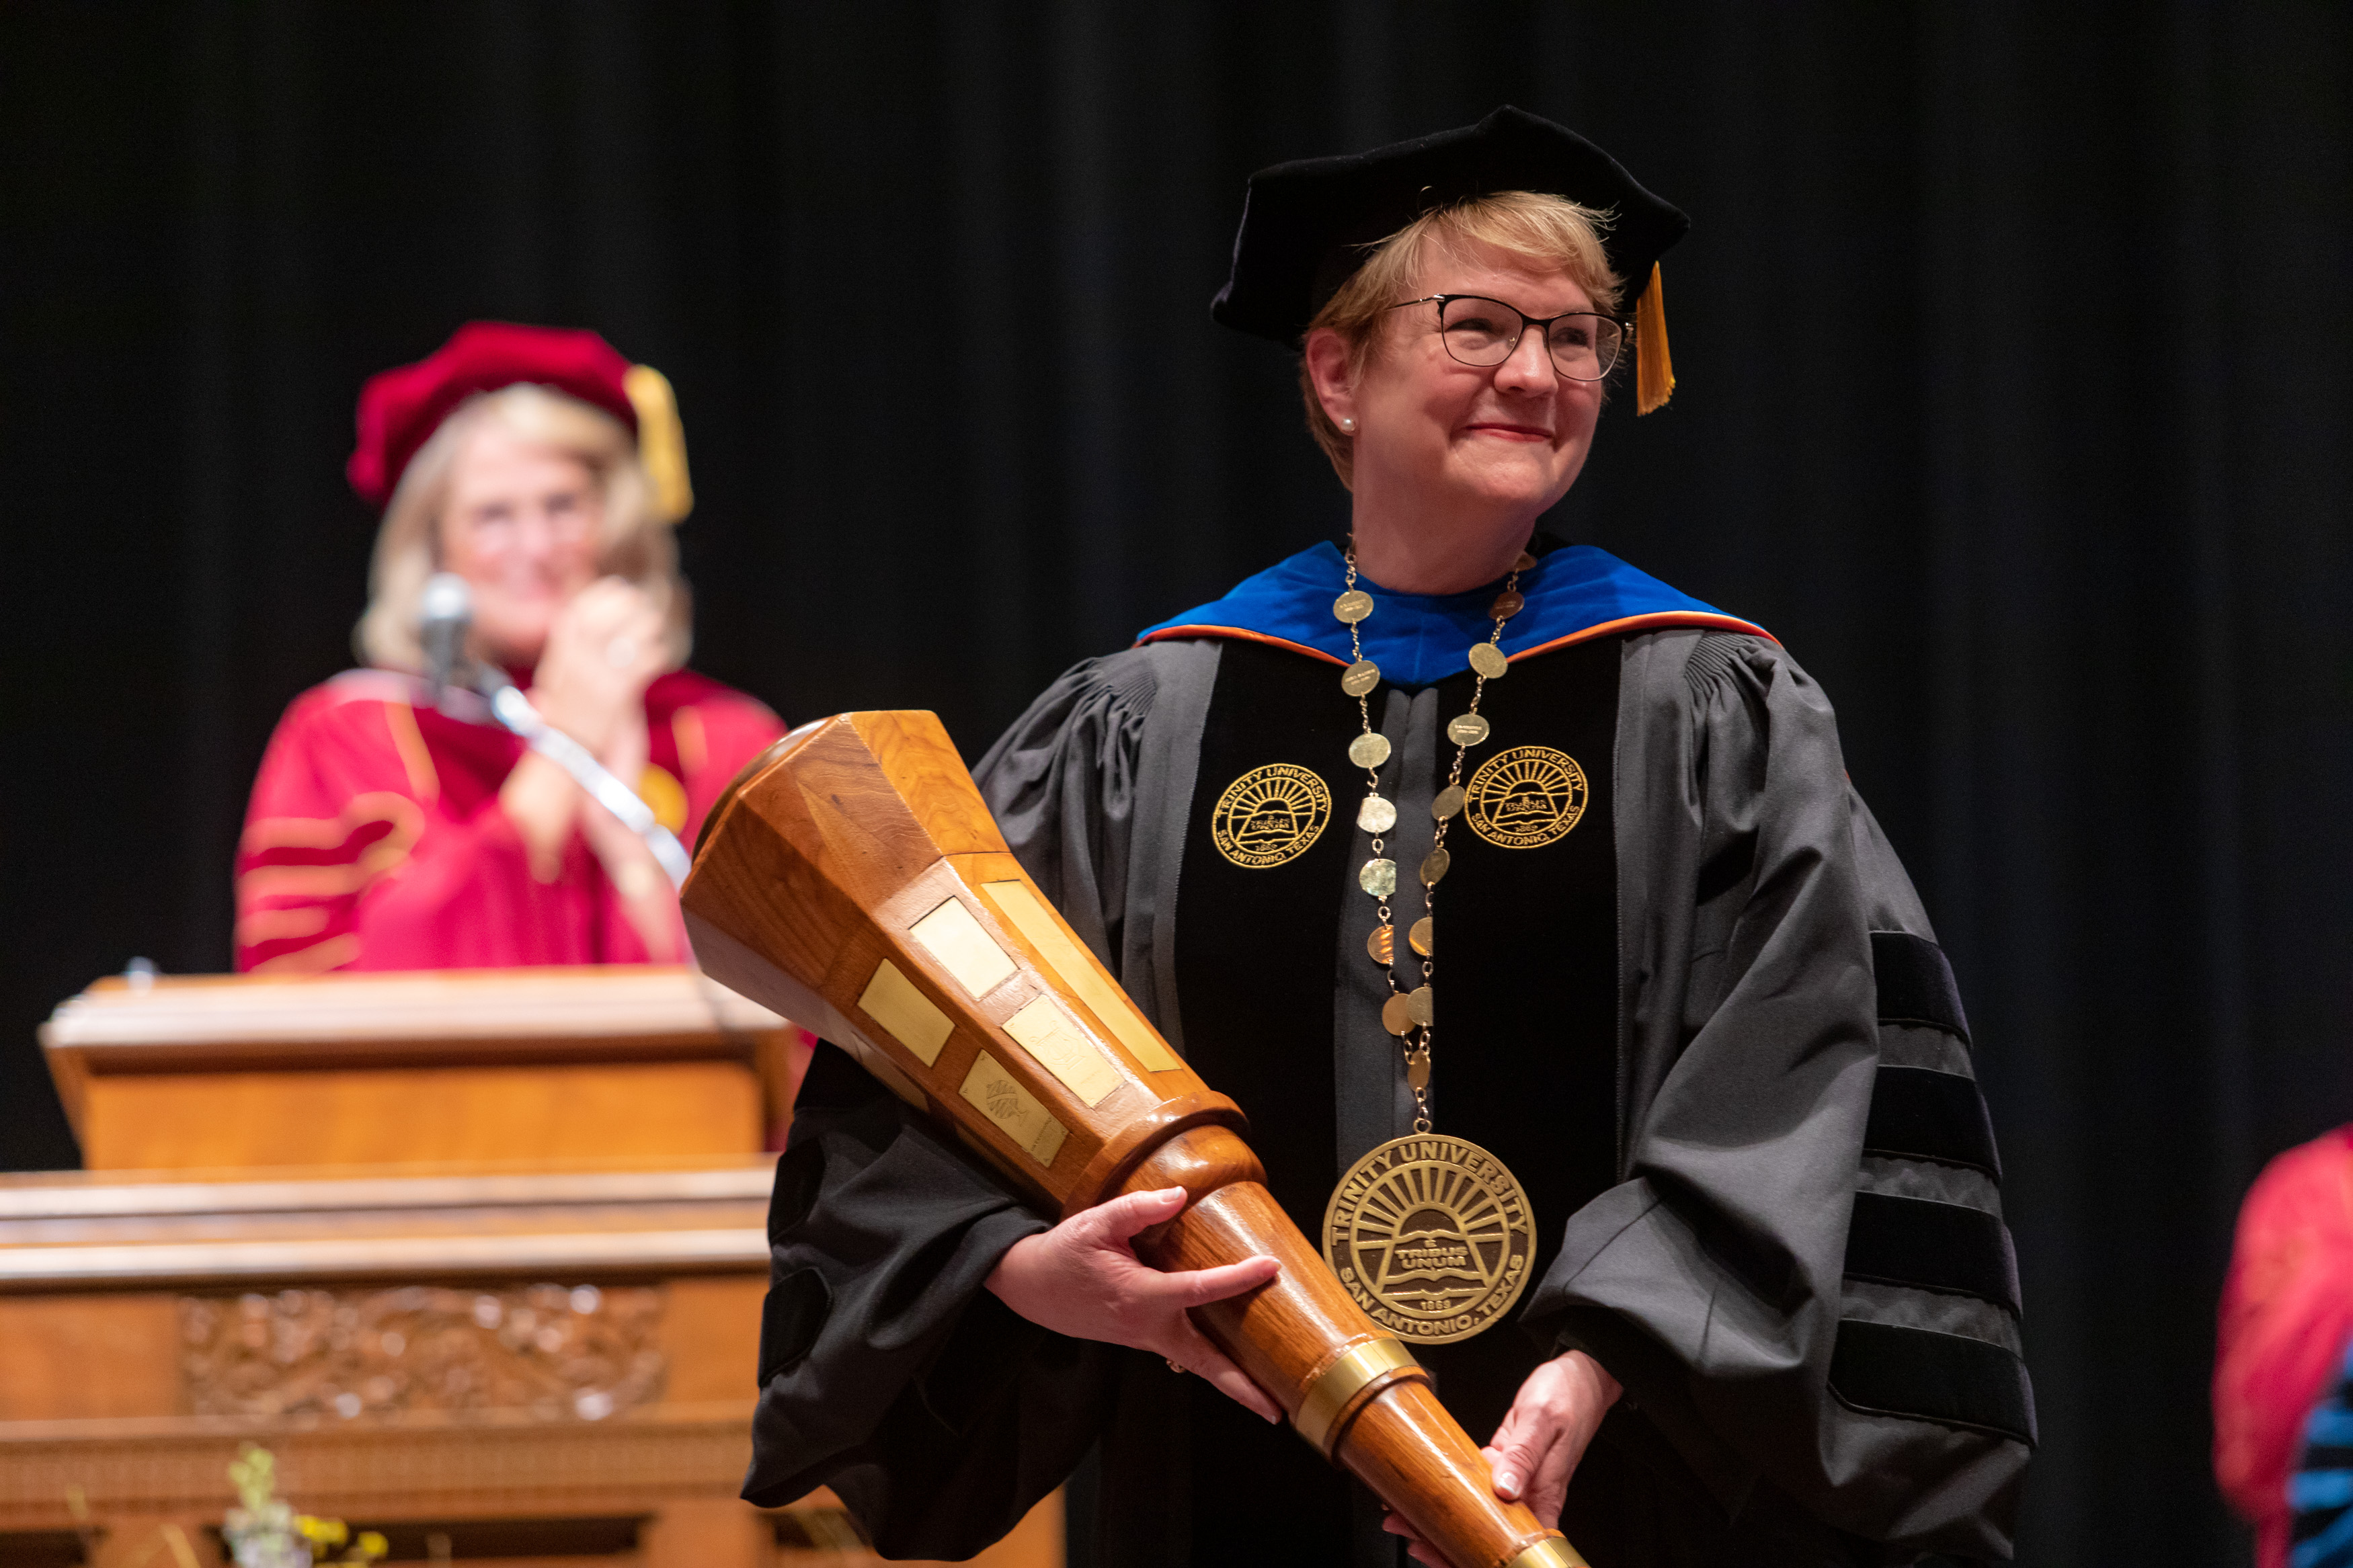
(852, 878)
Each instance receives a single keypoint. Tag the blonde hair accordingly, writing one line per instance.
(1550, 233)
(637, 543)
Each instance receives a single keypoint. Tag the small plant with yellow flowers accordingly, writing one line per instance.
(264, 1530)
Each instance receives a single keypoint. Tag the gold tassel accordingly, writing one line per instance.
(1654, 373)
(661, 440)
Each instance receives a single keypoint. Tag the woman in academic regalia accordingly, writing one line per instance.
(2284, 1361)
(392, 830)
(1435, 830)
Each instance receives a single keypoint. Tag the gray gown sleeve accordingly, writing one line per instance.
(886, 1370)
(1759, 902)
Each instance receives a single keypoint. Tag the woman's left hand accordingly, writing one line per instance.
(1536, 1449)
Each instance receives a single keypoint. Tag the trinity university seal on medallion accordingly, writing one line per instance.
(1269, 814)
(1526, 797)
(1431, 1234)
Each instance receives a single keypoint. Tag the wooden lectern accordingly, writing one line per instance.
(513, 1066)
(479, 1256)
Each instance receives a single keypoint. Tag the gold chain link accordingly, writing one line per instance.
(1421, 1041)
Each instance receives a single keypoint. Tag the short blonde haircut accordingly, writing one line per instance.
(637, 544)
(1546, 232)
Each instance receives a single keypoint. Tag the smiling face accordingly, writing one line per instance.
(1437, 435)
(522, 526)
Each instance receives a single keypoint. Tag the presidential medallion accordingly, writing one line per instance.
(1526, 797)
(1269, 814)
(1432, 1236)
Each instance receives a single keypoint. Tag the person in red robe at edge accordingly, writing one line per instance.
(2286, 1326)
(386, 832)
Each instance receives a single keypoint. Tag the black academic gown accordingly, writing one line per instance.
(1709, 1029)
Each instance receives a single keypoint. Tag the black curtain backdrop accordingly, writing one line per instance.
(2018, 399)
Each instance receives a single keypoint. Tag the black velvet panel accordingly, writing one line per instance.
(1254, 949)
(1526, 981)
(1526, 1059)
(1921, 1114)
(1254, 946)
(1962, 1382)
(1916, 984)
(789, 1320)
(1932, 1246)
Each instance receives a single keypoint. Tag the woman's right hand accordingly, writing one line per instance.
(604, 649)
(1083, 1278)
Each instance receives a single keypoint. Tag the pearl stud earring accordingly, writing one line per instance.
(1349, 425)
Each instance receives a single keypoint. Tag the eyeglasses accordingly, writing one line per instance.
(1478, 331)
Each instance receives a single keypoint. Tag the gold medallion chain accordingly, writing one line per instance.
(1412, 1016)
(1431, 1235)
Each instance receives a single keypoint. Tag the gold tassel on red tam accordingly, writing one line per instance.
(1654, 371)
(661, 440)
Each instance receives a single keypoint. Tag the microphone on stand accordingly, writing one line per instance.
(448, 614)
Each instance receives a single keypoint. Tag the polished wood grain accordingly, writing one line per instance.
(811, 874)
(70, 1237)
(303, 1168)
(519, 1065)
(632, 1011)
(102, 1391)
(673, 1475)
(402, 1116)
(75, 1198)
(120, 1391)
(88, 1356)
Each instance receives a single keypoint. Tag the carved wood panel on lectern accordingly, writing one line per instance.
(561, 1353)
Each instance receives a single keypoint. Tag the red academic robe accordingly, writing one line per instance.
(375, 839)
(2287, 1313)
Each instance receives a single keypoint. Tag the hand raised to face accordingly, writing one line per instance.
(604, 647)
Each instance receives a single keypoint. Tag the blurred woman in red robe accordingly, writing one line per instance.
(389, 832)
(2285, 1328)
